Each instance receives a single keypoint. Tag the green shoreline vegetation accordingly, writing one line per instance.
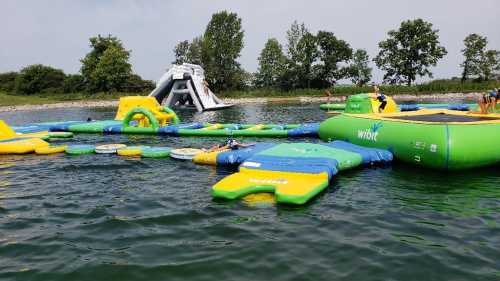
(433, 87)
(307, 65)
(430, 88)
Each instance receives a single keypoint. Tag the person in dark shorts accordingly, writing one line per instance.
(381, 98)
(487, 101)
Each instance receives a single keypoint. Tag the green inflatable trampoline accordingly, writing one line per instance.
(440, 139)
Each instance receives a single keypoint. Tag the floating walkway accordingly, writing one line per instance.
(188, 129)
(144, 115)
(294, 172)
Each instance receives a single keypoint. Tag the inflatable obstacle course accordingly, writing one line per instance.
(144, 115)
(294, 172)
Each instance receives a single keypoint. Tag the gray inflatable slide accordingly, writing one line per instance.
(183, 86)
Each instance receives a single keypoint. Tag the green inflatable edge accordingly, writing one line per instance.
(139, 110)
(80, 149)
(175, 120)
(332, 106)
(156, 152)
(438, 146)
(280, 198)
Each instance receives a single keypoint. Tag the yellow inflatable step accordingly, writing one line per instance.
(6, 132)
(50, 149)
(208, 158)
(131, 150)
(288, 187)
(256, 128)
(212, 127)
(21, 145)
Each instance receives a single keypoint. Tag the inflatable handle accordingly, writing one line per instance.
(138, 110)
(175, 120)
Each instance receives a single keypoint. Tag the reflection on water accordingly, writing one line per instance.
(102, 217)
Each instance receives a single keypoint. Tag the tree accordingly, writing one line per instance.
(106, 67)
(8, 81)
(271, 64)
(186, 52)
(334, 54)
(360, 72)
(38, 78)
(292, 76)
(409, 52)
(293, 36)
(74, 83)
(307, 53)
(112, 71)
(136, 84)
(302, 54)
(181, 52)
(222, 45)
(195, 51)
(490, 64)
(473, 55)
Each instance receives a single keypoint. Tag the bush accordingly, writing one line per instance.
(74, 83)
(135, 84)
(39, 78)
(436, 86)
(8, 81)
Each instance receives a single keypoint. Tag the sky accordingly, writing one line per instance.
(56, 32)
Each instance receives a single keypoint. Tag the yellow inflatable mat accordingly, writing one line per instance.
(296, 188)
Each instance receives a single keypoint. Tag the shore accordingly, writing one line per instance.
(337, 99)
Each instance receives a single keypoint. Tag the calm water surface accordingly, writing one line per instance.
(99, 217)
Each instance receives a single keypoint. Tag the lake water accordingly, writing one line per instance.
(101, 217)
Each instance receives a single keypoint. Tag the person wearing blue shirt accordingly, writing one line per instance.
(380, 97)
(488, 100)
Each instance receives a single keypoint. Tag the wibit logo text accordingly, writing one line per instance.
(370, 134)
(367, 135)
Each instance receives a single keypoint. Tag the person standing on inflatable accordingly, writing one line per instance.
(488, 100)
(380, 97)
(205, 87)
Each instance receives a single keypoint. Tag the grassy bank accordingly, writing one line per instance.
(434, 87)
(8, 99)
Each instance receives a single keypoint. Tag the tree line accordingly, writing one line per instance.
(320, 60)
(106, 68)
(306, 61)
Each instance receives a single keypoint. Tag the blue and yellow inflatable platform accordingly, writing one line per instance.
(294, 172)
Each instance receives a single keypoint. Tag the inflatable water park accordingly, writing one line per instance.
(366, 133)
